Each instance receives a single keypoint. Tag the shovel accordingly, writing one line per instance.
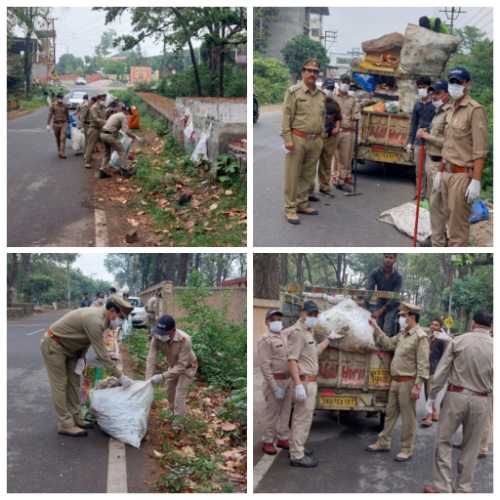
(354, 193)
(419, 187)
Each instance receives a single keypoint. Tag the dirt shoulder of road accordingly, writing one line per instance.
(481, 233)
(271, 108)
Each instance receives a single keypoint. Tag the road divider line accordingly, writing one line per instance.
(260, 470)
(38, 331)
(101, 229)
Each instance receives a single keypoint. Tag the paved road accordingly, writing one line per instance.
(343, 221)
(38, 459)
(345, 467)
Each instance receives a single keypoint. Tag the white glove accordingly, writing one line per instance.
(300, 393)
(473, 190)
(125, 382)
(138, 139)
(408, 148)
(80, 366)
(156, 379)
(437, 181)
(48, 128)
(333, 335)
(279, 393)
(430, 405)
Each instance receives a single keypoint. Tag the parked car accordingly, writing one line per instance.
(80, 81)
(75, 98)
(139, 314)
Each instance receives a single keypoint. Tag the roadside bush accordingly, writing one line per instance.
(270, 79)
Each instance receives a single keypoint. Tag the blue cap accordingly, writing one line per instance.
(60, 95)
(164, 325)
(438, 86)
(328, 82)
(461, 74)
(310, 306)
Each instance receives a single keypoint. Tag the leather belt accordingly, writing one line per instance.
(60, 121)
(308, 378)
(57, 340)
(299, 133)
(403, 378)
(455, 169)
(468, 392)
(435, 158)
(344, 129)
(280, 376)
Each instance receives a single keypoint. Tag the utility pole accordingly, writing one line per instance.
(330, 36)
(69, 289)
(54, 40)
(452, 15)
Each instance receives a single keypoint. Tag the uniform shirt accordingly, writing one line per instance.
(272, 350)
(97, 115)
(152, 305)
(60, 112)
(349, 109)
(465, 133)
(115, 123)
(333, 114)
(467, 362)
(436, 140)
(436, 349)
(81, 328)
(301, 347)
(303, 111)
(84, 115)
(178, 351)
(394, 283)
(411, 353)
(421, 117)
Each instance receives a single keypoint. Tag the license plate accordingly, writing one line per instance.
(384, 156)
(335, 401)
(379, 375)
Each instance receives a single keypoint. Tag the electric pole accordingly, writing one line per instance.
(452, 15)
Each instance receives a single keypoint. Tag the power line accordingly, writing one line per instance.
(452, 15)
(472, 18)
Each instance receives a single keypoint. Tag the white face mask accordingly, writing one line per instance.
(328, 92)
(344, 87)
(351, 93)
(422, 93)
(276, 326)
(101, 301)
(310, 322)
(455, 90)
(402, 322)
(438, 104)
(115, 323)
(59, 100)
(162, 338)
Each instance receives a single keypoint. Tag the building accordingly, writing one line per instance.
(340, 63)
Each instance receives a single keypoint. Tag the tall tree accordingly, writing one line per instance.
(265, 273)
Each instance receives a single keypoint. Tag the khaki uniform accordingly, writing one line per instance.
(182, 366)
(75, 333)
(434, 153)
(303, 349)
(411, 359)
(110, 141)
(465, 141)
(344, 144)
(97, 120)
(152, 309)
(459, 367)
(304, 112)
(60, 112)
(272, 350)
(84, 119)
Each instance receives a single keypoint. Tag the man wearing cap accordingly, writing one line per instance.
(111, 142)
(277, 386)
(434, 139)
(60, 112)
(464, 151)
(342, 170)
(467, 368)
(302, 126)
(409, 370)
(80, 105)
(303, 354)
(176, 345)
(97, 120)
(64, 347)
(152, 308)
(332, 125)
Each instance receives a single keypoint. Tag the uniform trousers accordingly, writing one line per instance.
(325, 164)
(60, 131)
(471, 412)
(112, 143)
(343, 167)
(485, 440)
(438, 222)
(93, 137)
(177, 388)
(301, 421)
(277, 412)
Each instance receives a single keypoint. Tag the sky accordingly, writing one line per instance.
(357, 25)
(93, 263)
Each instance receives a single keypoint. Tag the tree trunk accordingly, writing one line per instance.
(306, 260)
(283, 269)
(183, 267)
(170, 267)
(265, 276)
(11, 277)
(26, 261)
(195, 69)
(300, 270)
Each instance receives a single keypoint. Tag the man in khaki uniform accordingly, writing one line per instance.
(342, 171)
(465, 402)
(152, 308)
(434, 139)
(277, 385)
(111, 142)
(303, 354)
(64, 347)
(409, 370)
(302, 126)
(60, 112)
(176, 345)
(84, 117)
(464, 152)
(97, 120)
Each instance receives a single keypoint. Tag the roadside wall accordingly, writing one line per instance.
(260, 308)
(18, 310)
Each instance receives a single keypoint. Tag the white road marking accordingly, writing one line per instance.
(101, 229)
(260, 470)
(38, 331)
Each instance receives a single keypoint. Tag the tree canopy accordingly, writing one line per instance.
(301, 48)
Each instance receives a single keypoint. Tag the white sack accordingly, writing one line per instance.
(200, 149)
(115, 158)
(403, 217)
(77, 141)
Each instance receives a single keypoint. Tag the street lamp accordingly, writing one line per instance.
(453, 259)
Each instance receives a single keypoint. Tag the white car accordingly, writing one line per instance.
(139, 315)
(80, 81)
(75, 98)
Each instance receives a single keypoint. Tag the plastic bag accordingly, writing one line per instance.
(200, 149)
(115, 158)
(189, 131)
(77, 141)
(392, 106)
(109, 337)
(71, 124)
(91, 377)
(350, 321)
(367, 82)
(123, 413)
(479, 212)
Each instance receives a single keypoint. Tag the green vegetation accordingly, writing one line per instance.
(301, 48)
(270, 79)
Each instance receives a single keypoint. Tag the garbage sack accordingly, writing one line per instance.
(91, 377)
(479, 212)
(392, 107)
(71, 124)
(323, 300)
(200, 149)
(384, 43)
(367, 82)
(123, 413)
(349, 321)
(77, 141)
(133, 119)
(115, 158)
(403, 217)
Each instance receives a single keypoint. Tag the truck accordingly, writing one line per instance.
(347, 381)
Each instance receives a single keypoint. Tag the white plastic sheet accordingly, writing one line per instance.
(77, 141)
(403, 217)
(115, 158)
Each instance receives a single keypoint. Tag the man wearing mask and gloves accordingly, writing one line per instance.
(60, 112)
(176, 345)
(97, 116)
(64, 347)
(464, 151)
(303, 354)
(277, 385)
(409, 370)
